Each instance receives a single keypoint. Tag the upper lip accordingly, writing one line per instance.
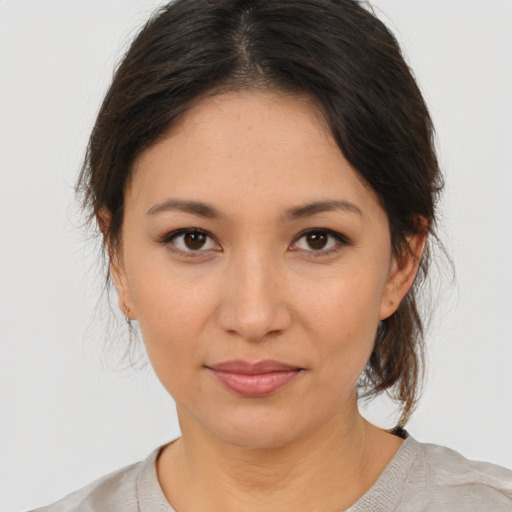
(245, 367)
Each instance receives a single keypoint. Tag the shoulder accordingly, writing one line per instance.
(115, 492)
(446, 480)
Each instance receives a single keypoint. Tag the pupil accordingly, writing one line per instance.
(317, 241)
(195, 240)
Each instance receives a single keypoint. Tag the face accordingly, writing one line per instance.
(258, 266)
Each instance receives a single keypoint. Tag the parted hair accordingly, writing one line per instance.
(337, 53)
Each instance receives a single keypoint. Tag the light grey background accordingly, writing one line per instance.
(65, 416)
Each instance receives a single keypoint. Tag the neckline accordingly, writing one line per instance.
(383, 494)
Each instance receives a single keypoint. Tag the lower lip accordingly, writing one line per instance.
(255, 385)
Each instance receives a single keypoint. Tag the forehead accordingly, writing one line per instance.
(253, 105)
(242, 121)
(239, 146)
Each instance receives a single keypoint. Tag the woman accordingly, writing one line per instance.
(263, 176)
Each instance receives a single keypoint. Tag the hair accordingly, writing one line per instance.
(335, 52)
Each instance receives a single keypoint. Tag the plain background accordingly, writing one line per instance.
(66, 417)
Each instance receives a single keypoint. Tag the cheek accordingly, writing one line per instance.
(344, 315)
(172, 313)
(351, 302)
(171, 319)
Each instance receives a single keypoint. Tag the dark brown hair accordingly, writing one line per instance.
(337, 53)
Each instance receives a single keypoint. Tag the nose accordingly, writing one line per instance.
(253, 304)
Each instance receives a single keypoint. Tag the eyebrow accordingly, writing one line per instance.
(205, 210)
(309, 209)
(194, 207)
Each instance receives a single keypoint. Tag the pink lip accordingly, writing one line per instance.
(254, 379)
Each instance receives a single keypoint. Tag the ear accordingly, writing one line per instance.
(116, 267)
(124, 298)
(403, 271)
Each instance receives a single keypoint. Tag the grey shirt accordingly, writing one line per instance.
(420, 477)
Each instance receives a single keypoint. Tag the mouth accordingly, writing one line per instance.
(254, 379)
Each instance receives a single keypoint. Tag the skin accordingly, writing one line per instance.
(259, 289)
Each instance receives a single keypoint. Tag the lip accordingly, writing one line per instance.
(258, 379)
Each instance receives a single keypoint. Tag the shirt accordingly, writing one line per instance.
(420, 478)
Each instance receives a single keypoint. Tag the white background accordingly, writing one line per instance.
(66, 417)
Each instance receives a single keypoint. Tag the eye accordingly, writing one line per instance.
(190, 240)
(319, 240)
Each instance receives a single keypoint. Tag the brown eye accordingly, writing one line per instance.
(194, 241)
(317, 240)
(191, 241)
(321, 241)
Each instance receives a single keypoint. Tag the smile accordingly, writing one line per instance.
(254, 379)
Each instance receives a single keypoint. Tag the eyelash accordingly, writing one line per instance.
(342, 241)
(170, 237)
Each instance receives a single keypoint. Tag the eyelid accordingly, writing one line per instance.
(167, 240)
(340, 238)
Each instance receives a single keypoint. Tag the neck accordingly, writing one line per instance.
(326, 470)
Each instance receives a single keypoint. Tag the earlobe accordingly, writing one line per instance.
(124, 299)
(116, 270)
(402, 275)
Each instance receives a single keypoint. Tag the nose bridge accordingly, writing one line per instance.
(254, 304)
